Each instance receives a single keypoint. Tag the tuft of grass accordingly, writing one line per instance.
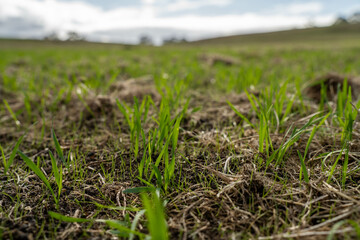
(279, 154)
(155, 141)
(134, 120)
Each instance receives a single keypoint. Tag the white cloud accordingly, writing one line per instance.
(181, 5)
(148, 1)
(301, 8)
(55, 15)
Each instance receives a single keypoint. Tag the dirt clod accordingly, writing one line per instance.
(214, 59)
(332, 83)
(99, 105)
(135, 87)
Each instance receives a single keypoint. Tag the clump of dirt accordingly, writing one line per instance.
(135, 87)
(332, 82)
(214, 59)
(99, 105)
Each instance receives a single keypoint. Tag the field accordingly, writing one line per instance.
(250, 140)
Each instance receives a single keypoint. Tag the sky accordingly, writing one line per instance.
(125, 21)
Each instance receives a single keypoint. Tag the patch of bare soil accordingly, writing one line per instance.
(126, 90)
(99, 106)
(89, 109)
(213, 59)
(332, 83)
(216, 112)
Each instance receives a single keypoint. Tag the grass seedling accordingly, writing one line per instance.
(165, 136)
(302, 158)
(264, 132)
(17, 122)
(120, 226)
(294, 137)
(153, 208)
(331, 173)
(155, 214)
(27, 105)
(346, 113)
(40, 174)
(303, 168)
(133, 119)
(241, 115)
(8, 163)
(58, 147)
(156, 141)
(58, 173)
(345, 167)
(279, 103)
(323, 97)
(79, 92)
(135, 222)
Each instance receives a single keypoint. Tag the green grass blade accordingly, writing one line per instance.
(38, 172)
(240, 115)
(356, 226)
(17, 122)
(8, 163)
(288, 109)
(139, 190)
(175, 134)
(117, 208)
(158, 175)
(118, 225)
(335, 227)
(64, 218)
(54, 167)
(252, 99)
(334, 165)
(57, 147)
(124, 112)
(303, 168)
(345, 167)
(134, 223)
(3, 157)
(155, 214)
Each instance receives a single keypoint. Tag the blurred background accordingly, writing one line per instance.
(163, 21)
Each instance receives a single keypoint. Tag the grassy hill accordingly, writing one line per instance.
(347, 32)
